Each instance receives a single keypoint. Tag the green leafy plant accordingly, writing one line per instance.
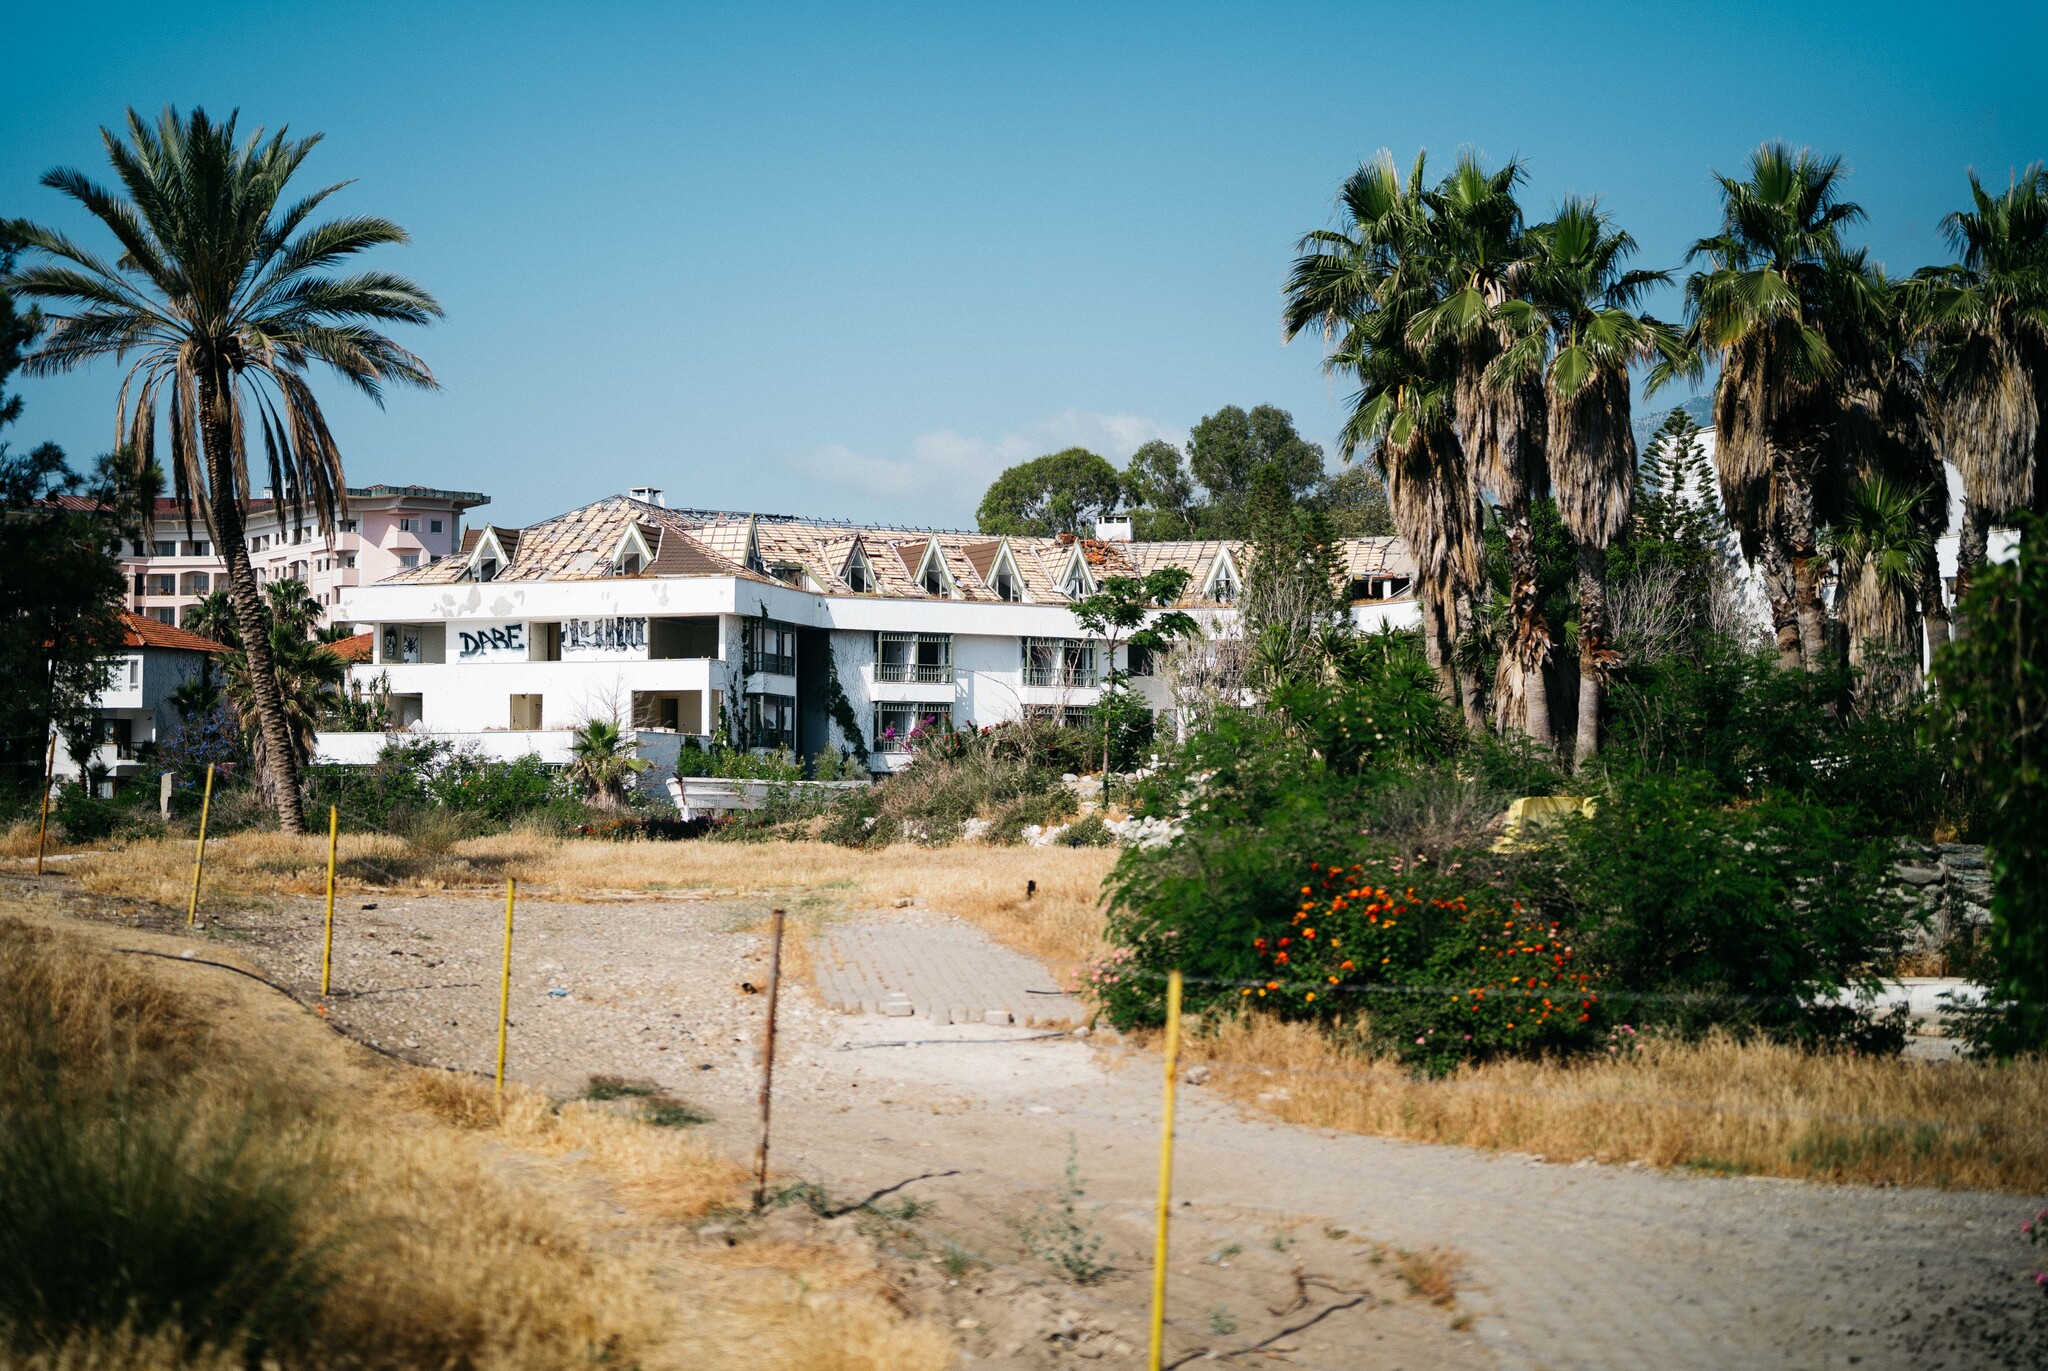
(1061, 1236)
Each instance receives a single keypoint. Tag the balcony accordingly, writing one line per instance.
(914, 673)
(771, 663)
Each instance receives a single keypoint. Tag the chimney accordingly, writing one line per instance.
(1113, 530)
(649, 495)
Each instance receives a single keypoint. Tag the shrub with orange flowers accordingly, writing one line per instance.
(1434, 969)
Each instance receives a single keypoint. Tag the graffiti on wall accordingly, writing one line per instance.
(604, 635)
(489, 642)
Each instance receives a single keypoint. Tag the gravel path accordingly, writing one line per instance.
(1583, 1266)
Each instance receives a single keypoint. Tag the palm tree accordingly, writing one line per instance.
(1757, 308)
(601, 758)
(309, 677)
(1989, 320)
(1476, 235)
(223, 302)
(1577, 329)
(1362, 286)
(1882, 549)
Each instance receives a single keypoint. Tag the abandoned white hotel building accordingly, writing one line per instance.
(669, 618)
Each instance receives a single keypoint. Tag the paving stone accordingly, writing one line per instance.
(938, 969)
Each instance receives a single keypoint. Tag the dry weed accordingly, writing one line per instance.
(1719, 1105)
(468, 1231)
(1430, 1273)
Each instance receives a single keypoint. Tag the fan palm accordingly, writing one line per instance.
(221, 295)
(1361, 286)
(1882, 549)
(1757, 307)
(1989, 317)
(601, 757)
(1577, 328)
(1476, 236)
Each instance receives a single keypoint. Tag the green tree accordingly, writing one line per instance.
(1133, 613)
(1994, 696)
(220, 299)
(1362, 285)
(1989, 319)
(60, 591)
(1065, 492)
(1161, 493)
(1577, 328)
(1228, 449)
(1291, 599)
(1759, 309)
(1354, 501)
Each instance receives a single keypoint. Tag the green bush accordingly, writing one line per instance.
(1087, 832)
(1748, 727)
(428, 791)
(1741, 916)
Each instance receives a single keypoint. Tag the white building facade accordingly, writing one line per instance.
(136, 708)
(770, 632)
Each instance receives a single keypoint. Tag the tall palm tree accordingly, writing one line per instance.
(1989, 319)
(1577, 327)
(222, 297)
(1758, 308)
(1361, 286)
(1476, 237)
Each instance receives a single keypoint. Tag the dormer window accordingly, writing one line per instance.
(633, 555)
(859, 575)
(1223, 583)
(1077, 584)
(1005, 585)
(789, 573)
(488, 560)
(932, 574)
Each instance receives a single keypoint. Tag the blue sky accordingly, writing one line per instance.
(852, 261)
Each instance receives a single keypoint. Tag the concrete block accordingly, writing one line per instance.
(999, 1017)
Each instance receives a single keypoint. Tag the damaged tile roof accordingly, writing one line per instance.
(585, 544)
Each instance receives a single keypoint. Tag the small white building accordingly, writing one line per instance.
(153, 661)
(772, 631)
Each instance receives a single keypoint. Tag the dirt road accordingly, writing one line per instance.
(1284, 1237)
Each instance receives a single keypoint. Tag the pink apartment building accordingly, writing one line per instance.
(388, 529)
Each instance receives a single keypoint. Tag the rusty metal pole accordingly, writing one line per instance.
(768, 1057)
(43, 829)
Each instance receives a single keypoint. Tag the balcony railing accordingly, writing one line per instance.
(918, 673)
(1058, 676)
(774, 663)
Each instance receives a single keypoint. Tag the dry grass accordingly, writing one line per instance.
(1719, 1105)
(1430, 1273)
(476, 1233)
(1061, 923)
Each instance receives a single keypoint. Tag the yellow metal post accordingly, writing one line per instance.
(1165, 1167)
(199, 858)
(505, 986)
(49, 773)
(327, 939)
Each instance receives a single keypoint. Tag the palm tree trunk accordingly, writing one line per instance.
(1436, 633)
(1593, 650)
(1972, 542)
(1784, 613)
(1471, 692)
(278, 764)
(1530, 637)
(1802, 546)
(1933, 609)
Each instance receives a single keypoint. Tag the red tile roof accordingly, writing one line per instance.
(138, 631)
(352, 650)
